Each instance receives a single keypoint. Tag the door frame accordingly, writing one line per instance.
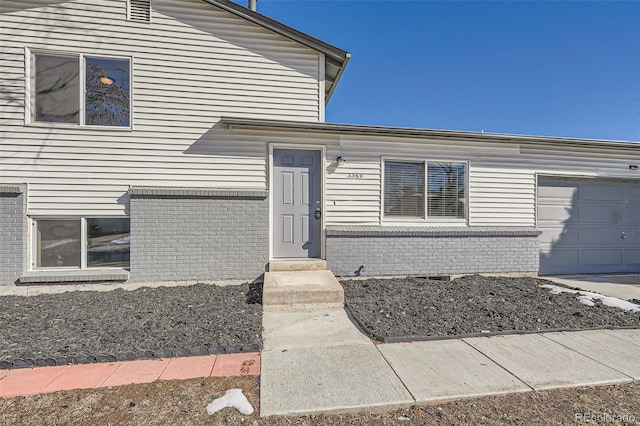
(297, 147)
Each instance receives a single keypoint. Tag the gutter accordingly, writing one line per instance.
(231, 123)
(337, 78)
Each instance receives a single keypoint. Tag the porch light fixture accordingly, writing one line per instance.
(106, 80)
(340, 160)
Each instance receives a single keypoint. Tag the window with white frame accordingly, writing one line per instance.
(437, 188)
(81, 243)
(80, 89)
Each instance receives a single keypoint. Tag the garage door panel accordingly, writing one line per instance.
(600, 213)
(583, 222)
(594, 237)
(553, 213)
(631, 215)
(560, 258)
(632, 193)
(591, 191)
(561, 236)
(558, 191)
(631, 238)
(600, 257)
(631, 257)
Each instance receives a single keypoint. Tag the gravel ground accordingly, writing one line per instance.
(147, 322)
(398, 309)
(90, 326)
(183, 402)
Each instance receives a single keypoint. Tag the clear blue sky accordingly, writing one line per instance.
(554, 68)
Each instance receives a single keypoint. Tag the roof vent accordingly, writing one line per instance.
(140, 10)
(253, 5)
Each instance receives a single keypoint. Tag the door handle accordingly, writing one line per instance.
(318, 214)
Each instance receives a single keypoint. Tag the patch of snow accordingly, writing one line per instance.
(121, 241)
(588, 298)
(232, 398)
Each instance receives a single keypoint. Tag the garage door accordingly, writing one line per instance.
(589, 226)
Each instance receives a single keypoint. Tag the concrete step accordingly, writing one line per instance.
(297, 265)
(301, 291)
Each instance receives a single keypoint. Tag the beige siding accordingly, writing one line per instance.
(191, 65)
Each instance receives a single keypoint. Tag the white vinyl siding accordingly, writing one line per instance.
(501, 175)
(193, 64)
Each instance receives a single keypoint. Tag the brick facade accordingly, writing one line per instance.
(432, 251)
(198, 234)
(13, 233)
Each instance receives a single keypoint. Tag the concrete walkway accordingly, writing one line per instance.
(319, 362)
(623, 287)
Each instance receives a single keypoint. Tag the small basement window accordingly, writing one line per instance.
(81, 243)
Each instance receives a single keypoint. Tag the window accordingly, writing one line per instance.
(81, 243)
(56, 95)
(405, 190)
(446, 195)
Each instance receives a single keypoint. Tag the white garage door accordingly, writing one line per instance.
(589, 226)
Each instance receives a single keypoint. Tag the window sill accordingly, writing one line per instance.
(434, 231)
(74, 276)
(67, 126)
(424, 222)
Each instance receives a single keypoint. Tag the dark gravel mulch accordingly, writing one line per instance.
(91, 326)
(403, 309)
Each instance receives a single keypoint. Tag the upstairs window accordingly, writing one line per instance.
(436, 188)
(81, 90)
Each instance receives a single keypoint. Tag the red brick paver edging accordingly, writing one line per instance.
(30, 381)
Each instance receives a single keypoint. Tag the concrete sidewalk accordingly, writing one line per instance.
(319, 362)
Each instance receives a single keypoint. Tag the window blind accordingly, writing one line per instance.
(403, 189)
(446, 190)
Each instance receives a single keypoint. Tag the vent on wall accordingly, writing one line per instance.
(140, 10)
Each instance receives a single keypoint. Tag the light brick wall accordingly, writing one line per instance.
(198, 234)
(13, 233)
(404, 253)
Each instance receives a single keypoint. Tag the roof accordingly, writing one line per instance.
(336, 59)
(231, 123)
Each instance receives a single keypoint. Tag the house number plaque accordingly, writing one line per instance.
(354, 175)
